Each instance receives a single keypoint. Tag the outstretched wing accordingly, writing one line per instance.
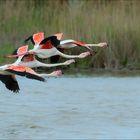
(49, 42)
(10, 82)
(30, 38)
(18, 52)
(24, 71)
(22, 49)
(59, 35)
(35, 38)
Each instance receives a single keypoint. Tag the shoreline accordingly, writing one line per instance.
(96, 72)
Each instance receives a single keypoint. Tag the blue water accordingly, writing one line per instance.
(72, 107)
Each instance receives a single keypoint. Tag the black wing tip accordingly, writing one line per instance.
(15, 52)
(35, 77)
(30, 38)
(27, 75)
(55, 42)
(14, 88)
(42, 79)
(15, 91)
(10, 83)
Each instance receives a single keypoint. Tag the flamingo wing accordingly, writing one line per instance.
(54, 39)
(18, 52)
(10, 82)
(59, 35)
(49, 42)
(24, 71)
(38, 38)
(30, 38)
(35, 38)
(22, 49)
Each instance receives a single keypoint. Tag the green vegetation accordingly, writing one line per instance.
(91, 21)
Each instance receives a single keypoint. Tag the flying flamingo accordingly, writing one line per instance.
(29, 60)
(8, 72)
(70, 43)
(48, 47)
(65, 44)
(61, 45)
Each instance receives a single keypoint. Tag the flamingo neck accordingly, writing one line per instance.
(36, 46)
(67, 56)
(18, 60)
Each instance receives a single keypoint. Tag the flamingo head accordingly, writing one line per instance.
(103, 45)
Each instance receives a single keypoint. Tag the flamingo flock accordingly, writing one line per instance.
(52, 47)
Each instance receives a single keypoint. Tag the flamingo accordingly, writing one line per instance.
(70, 43)
(8, 72)
(48, 47)
(29, 60)
(67, 44)
(64, 44)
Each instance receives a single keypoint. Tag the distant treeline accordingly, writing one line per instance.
(90, 21)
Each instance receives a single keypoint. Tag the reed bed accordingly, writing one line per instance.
(91, 21)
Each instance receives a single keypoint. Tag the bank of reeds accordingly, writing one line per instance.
(91, 21)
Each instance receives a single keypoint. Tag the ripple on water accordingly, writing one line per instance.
(101, 107)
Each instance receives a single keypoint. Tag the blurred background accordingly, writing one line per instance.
(91, 21)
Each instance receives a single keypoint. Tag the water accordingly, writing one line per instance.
(69, 107)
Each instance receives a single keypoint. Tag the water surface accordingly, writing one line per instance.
(72, 107)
